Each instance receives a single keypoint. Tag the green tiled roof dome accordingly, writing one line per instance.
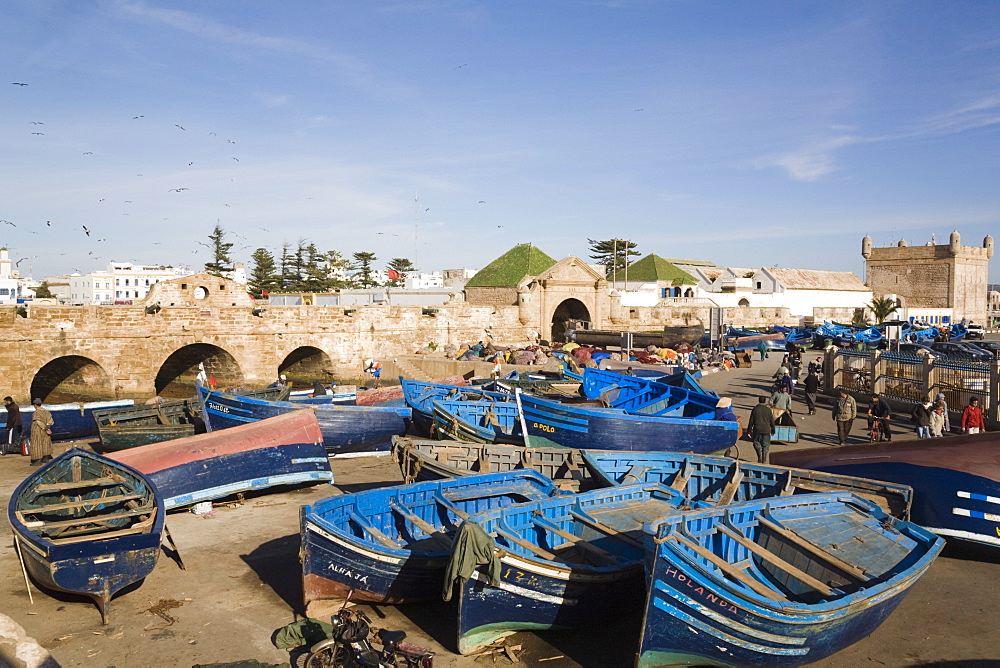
(655, 268)
(507, 270)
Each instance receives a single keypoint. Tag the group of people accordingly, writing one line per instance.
(40, 440)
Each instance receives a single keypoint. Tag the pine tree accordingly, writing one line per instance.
(263, 273)
(398, 268)
(362, 265)
(43, 291)
(221, 261)
(613, 254)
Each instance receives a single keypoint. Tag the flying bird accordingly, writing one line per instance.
(86, 230)
(482, 201)
(138, 174)
(461, 66)
(48, 223)
(36, 123)
(230, 141)
(236, 159)
(18, 83)
(190, 163)
(88, 153)
(176, 190)
(135, 117)
(213, 134)
(10, 223)
(128, 201)
(37, 133)
(265, 229)
(181, 127)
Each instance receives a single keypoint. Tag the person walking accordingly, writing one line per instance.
(762, 349)
(787, 383)
(845, 409)
(939, 399)
(879, 410)
(41, 434)
(811, 387)
(937, 420)
(781, 399)
(761, 427)
(14, 428)
(922, 419)
(972, 418)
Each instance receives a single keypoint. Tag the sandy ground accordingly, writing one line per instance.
(243, 582)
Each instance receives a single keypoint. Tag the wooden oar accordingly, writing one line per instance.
(24, 571)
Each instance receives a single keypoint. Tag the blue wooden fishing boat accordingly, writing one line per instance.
(69, 421)
(131, 426)
(283, 450)
(86, 524)
(566, 562)
(484, 421)
(392, 544)
(956, 480)
(776, 582)
(420, 397)
(346, 429)
(719, 481)
(682, 421)
(633, 393)
(803, 337)
(425, 459)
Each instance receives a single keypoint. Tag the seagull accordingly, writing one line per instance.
(86, 230)
(10, 223)
(265, 229)
(176, 190)
(213, 134)
(181, 127)
(48, 223)
(138, 174)
(37, 133)
(380, 233)
(18, 83)
(100, 240)
(640, 110)
(190, 163)
(461, 66)
(157, 243)
(135, 117)
(36, 123)
(88, 153)
(236, 159)
(229, 140)
(128, 201)
(482, 201)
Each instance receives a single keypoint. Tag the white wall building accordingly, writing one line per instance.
(122, 282)
(8, 279)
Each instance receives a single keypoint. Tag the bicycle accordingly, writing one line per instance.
(877, 432)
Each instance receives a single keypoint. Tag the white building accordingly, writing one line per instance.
(8, 279)
(122, 282)
(424, 280)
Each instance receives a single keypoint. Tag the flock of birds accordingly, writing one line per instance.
(37, 130)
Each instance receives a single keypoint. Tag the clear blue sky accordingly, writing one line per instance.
(748, 134)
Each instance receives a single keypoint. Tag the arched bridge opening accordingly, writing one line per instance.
(72, 378)
(305, 364)
(569, 315)
(176, 376)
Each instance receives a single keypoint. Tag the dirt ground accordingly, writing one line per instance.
(242, 582)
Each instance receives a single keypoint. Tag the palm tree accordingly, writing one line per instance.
(882, 308)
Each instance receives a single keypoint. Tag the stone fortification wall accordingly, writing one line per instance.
(122, 349)
(492, 296)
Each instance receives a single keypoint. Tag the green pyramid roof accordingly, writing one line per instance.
(655, 268)
(507, 270)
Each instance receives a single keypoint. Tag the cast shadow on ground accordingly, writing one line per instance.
(351, 488)
(276, 564)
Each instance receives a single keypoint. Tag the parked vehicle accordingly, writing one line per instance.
(917, 349)
(960, 351)
(991, 347)
(975, 331)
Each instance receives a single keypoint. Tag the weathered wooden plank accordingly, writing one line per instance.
(817, 550)
(738, 574)
(83, 503)
(777, 561)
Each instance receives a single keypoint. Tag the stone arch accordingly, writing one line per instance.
(743, 302)
(568, 309)
(305, 364)
(689, 292)
(176, 375)
(72, 378)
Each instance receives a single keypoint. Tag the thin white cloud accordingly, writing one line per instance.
(349, 69)
(817, 159)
